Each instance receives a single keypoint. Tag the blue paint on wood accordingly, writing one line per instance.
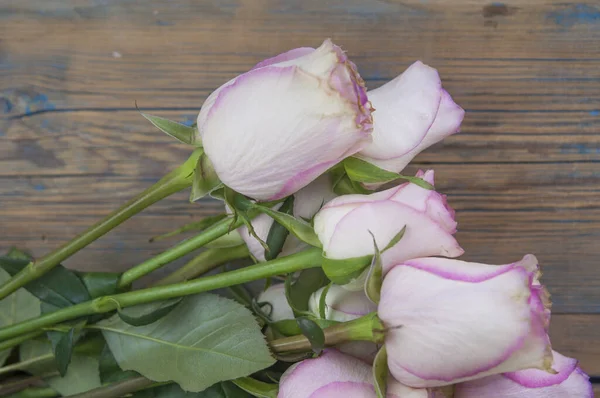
(595, 112)
(576, 14)
(188, 120)
(39, 187)
(580, 149)
(161, 22)
(5, 105)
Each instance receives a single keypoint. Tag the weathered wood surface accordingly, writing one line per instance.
(524, 174)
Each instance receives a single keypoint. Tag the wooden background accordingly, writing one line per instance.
(524, 174)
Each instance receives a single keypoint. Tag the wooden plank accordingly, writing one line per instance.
(523, 174)
(576, 336)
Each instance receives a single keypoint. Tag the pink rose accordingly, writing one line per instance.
(274, 129)
(452, 321)
(343, 224)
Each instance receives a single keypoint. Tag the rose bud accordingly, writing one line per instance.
(344, 225)
(307, 202)
(451, 321)
(274, 129)
(343, 305)
(336, 375)
(413, 112)
(568, 381)
(278, 308)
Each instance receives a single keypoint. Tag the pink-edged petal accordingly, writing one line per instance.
(406, 108)
(345, 389)
(286, 56)
(535, 378)
(447, 122)
(445, 331)
(303, 379)
(576, 385)
(385, 220)
(279, 307)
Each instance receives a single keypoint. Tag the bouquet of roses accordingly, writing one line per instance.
(354, 294)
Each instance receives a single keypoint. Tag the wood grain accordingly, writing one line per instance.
(524, 174)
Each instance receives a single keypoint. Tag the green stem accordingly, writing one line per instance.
(208, 235)
(173, 182)
(10, 343)
(307, 259)
(43, 392)
(117, 389)
(204, 262)
(25, 364)
(365, 328)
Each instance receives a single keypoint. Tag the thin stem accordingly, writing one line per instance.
(10, 343)
(307, 259)
(208, 235)
(17, 384)
(365, 328)
(42, 392)
(25, 364)
(173, 182)
(117, 389)
(204, 262)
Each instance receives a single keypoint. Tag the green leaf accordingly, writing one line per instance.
(278, 233)
(298, 293)
(397, 238)
(205, 179)
(180, 132)
(100, 284)
(323, 301)
(59, 287)
(204, 340)
(257, 388)
(82, 375)
(345, 186)
(18, 307)
(313, 333)
(342, 272)
(300, 228)
(375, 275)
(109, 369)
(194, 226)
(62, 346)
(145, 314)
(380, 373)
(362, 171)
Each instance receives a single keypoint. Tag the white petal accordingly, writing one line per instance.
(405, 109)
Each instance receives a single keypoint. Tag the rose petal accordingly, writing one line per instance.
(308, 376)
(286, 56)
(405, 110)
(275, 296)
(385, 220)
(447, 122)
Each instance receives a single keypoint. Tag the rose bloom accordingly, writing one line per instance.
(273, 130)
(344, 225)
(451, 321)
